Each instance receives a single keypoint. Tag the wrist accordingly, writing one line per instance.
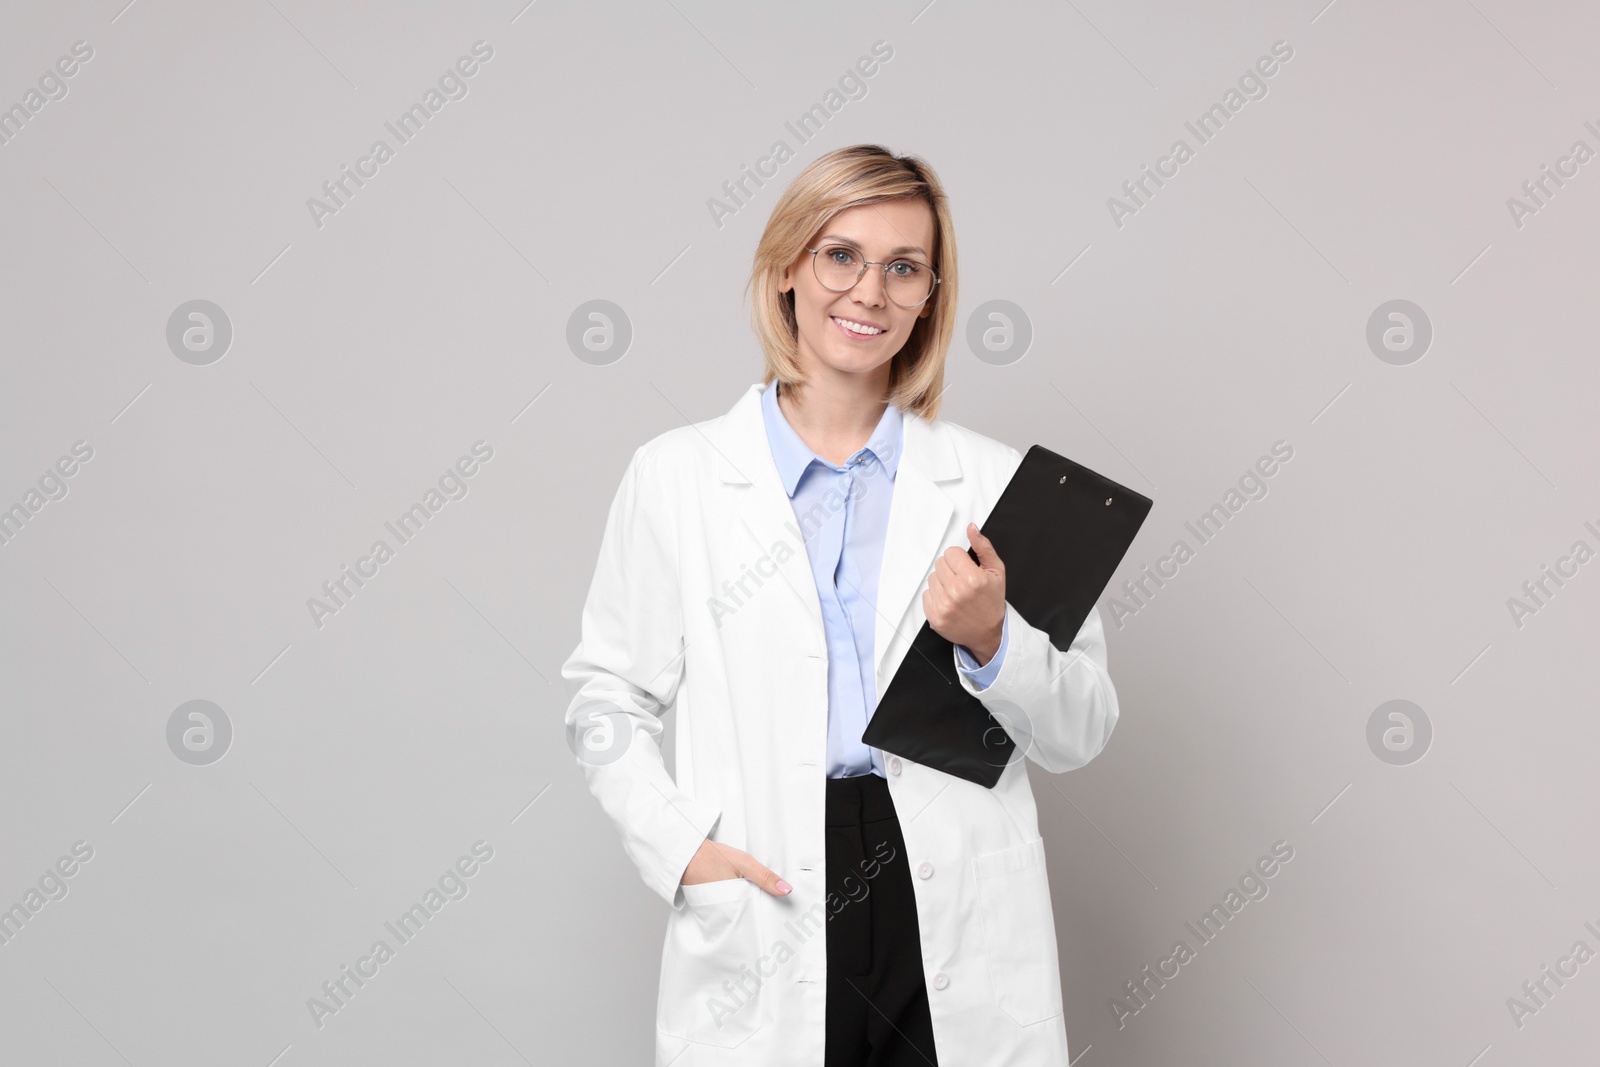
(987, 649)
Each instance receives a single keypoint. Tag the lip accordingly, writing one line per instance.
(857, 337)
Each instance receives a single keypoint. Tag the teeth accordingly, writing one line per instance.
(856, 327)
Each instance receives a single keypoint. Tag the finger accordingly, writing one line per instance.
(957, 581)
(766, 879)
(957, 561)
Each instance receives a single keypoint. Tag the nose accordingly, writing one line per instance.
(869, 289)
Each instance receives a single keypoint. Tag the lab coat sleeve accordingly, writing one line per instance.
(1059, 704)
(983, 676)
(624, 675)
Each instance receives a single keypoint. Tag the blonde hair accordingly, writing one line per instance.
(846, 178)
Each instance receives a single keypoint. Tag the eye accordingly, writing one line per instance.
(842, 256)
(906, 268)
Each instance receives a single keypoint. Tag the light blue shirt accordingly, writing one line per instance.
(843, 514)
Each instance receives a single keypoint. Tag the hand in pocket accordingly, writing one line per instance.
(716, 862)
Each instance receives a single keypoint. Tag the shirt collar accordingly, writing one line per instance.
(793, 456)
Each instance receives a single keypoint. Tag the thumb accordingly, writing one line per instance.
(988, 558)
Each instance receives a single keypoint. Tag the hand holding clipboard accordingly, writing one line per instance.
(1061, 530)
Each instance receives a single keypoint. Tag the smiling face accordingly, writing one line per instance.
(858, 331)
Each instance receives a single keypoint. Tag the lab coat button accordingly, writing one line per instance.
(894, 764)
(925, 871)
(941, 980)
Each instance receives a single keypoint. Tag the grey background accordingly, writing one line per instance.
(431, 312)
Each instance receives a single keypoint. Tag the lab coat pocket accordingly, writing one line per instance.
(710, 992)
(1019, 931)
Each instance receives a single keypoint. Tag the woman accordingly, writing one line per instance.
(760, 573)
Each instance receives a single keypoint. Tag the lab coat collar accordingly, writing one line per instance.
(919, 514)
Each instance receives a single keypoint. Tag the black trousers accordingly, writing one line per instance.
(877, 999)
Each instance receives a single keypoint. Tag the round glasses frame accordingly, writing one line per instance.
(865, 263)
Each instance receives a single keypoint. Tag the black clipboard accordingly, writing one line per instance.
(1061, 530)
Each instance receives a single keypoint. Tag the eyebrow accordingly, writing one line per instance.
(893, 251)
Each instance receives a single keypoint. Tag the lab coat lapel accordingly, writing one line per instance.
(919, 516)
(745, 457)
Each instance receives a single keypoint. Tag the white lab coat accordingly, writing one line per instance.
(703, 599)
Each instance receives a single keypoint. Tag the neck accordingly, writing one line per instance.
(838, 412)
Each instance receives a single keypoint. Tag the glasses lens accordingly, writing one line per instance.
(909, 282)
(837, 267)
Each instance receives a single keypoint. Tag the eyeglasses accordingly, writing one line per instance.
(906, 281)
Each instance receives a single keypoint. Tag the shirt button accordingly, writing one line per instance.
(925, 871)
(941, 980)
(894, 765)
